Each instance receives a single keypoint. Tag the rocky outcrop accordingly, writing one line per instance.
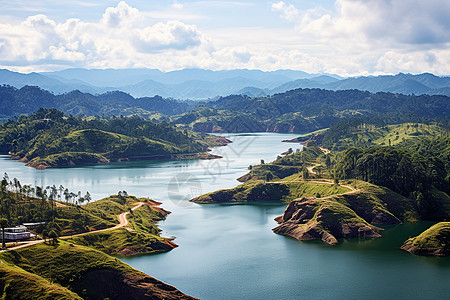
(157, 247)
(312, 218)
(433, 241)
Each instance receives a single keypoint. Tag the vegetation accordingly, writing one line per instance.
(400, 170)
(142, 236)
(16, 283)
(25, 203)
(257, 191)
(68, 271)
(48, 138)
(300, 110)
(433, 241)
(285, 166)
(17, 205)
(367, 132)
(307, 219)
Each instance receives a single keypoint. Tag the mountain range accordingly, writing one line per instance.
(197, 84)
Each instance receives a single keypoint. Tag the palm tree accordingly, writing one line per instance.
(87, 197)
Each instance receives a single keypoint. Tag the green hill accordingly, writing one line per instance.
(260, 191)
(360, 132)
(433, 241)
(47, 138)
(68, 271)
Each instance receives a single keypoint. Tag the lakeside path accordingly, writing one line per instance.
(122, 219)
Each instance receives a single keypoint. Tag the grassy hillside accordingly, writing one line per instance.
(141, 236)
(433, 241)
(285, 166)
(349, 215)
(68, 270)
(257, 191)
(16, 283)
(360, 132)
(309, 219)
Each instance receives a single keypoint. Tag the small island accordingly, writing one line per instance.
(433, 241)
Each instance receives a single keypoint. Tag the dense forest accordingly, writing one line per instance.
(299, 110)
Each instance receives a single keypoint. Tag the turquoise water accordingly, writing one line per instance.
(230, 252)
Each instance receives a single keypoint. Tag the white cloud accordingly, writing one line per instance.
(173, 34)
(375, 36)
(288, 12)
(357, 37)
(177, 5)
(121, 15)
(118, 39)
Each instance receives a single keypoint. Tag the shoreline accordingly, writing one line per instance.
(71, 163)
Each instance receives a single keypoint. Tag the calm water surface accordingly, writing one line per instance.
(230, 252)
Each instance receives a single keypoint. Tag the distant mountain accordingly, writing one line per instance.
(193, 84)
(55, 85)
(28, 99)
(407, 84)
(197, 84)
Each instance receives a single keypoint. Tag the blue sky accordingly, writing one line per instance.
(345, 37)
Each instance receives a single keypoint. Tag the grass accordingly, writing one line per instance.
(371, 200)
(141, 237)
(256, 191)
(323, 219)
(67, 159)
(370, 135)
(58, 268)
(435, 238)
(16, 283)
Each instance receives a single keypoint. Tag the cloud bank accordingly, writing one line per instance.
(355, 37)
(119, 39)
(376, 36)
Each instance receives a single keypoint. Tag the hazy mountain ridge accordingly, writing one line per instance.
(197, 84)
(407, 84)
(194, 84)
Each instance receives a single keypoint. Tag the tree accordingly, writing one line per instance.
(3, 224)
(44, 234)
(87, 197)
(53, 235)
(262, 161)
(269, 176)
(305, 173)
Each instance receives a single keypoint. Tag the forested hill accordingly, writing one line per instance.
(304, 110)
(298, 110)
(314, 102)
(48, 138)
(28, 99)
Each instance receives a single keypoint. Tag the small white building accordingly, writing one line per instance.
(17, 233)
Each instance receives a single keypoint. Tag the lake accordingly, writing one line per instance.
(230, 252)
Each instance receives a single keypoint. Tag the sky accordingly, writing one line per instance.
(344, 37)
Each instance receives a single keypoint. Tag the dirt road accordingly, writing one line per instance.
(122, 218)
